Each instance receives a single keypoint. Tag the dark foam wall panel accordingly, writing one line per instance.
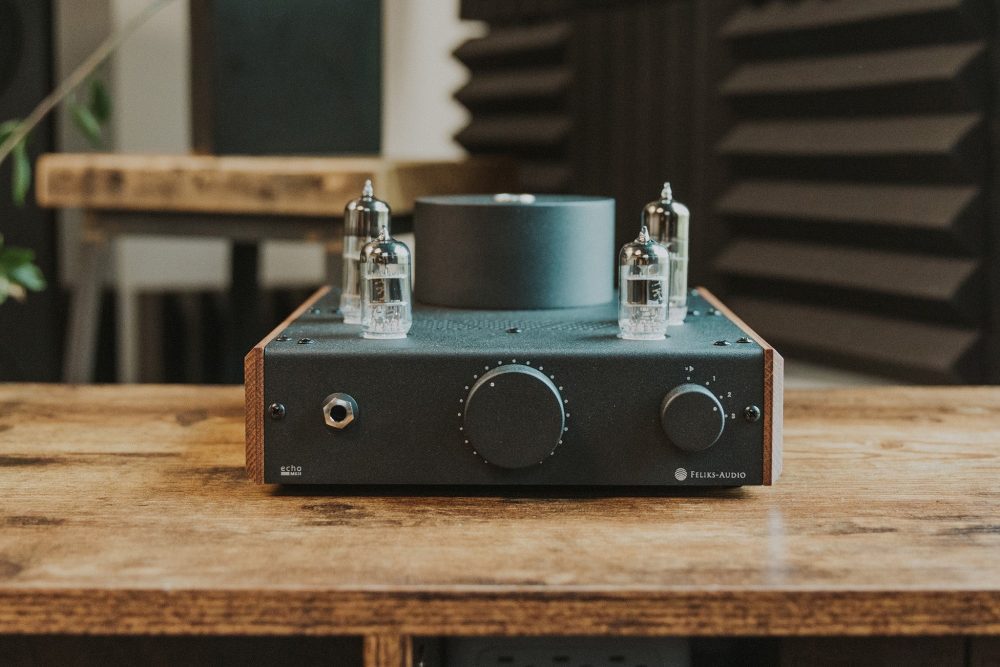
(839, 157)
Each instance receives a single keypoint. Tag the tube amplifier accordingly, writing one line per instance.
(523, 392)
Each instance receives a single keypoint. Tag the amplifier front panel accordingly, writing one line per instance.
(410, 425)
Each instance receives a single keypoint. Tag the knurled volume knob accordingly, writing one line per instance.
(514, 416)
(692, 417)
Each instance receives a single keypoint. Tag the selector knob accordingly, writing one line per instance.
(514, 416)
(692, 417)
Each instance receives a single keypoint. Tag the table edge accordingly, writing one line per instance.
(518, 612)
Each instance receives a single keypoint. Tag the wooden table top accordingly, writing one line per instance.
(300, 186)
(127, 510)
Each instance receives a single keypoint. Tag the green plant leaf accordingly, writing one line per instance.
(20, 175)
(12, 257)
(100, 101)
(87, 124)
(4, 288)
(28, 276)
(7, 128)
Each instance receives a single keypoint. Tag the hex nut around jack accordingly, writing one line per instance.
(345, 401)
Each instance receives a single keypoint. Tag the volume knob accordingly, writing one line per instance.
(514, 416)
(692, 417)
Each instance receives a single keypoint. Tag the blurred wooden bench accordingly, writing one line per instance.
(244, 199)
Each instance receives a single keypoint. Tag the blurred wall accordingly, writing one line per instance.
(149, 78)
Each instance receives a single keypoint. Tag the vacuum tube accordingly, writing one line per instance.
(363, 218)
(668, 222)
(386, 287)
(644, 280)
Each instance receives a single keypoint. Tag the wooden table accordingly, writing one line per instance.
(126, 511)
(242, 198)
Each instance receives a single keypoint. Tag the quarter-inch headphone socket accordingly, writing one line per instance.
(339, 410)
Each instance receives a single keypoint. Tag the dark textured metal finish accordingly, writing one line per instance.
(480, 252)
(412, 396)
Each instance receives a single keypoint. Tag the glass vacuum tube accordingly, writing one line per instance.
(668, 222)
(363, 218)
(644, 279)
(386, 287)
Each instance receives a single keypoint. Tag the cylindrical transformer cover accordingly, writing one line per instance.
(514, 252)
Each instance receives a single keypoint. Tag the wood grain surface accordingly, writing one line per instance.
(126, 510)
(307, 186)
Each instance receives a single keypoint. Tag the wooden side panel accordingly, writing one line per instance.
(253, 370)
(253, 382)
(774, 390)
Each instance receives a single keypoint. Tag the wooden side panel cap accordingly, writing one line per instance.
(253, 379)
(774, 391)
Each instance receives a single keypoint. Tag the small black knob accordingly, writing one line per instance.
(514, 416)
(692, 417)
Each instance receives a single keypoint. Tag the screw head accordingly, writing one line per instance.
(514, 330)
(751, 413)
(721, 343)
(305, 341)
(277, 411)
(743, 339)
(315, 311)
(282, 337)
